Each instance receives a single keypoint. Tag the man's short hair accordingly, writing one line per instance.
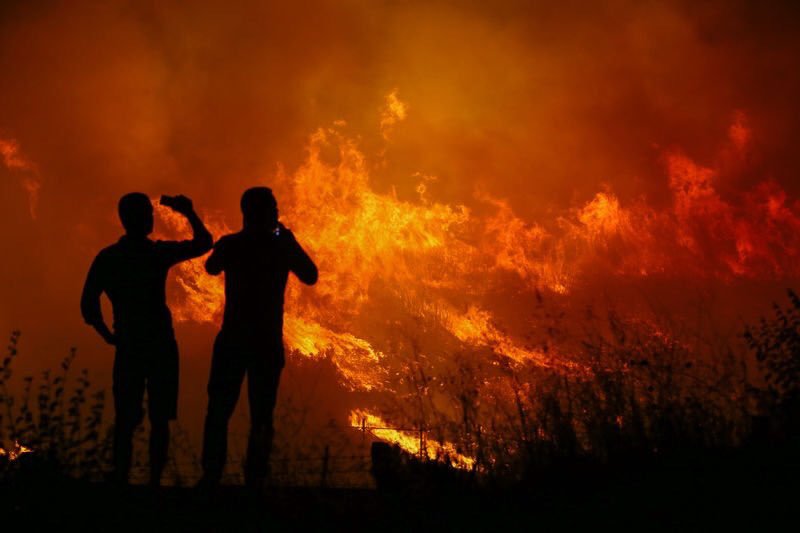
(257, 202)
(134, 210)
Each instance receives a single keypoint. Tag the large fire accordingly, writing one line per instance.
(438, 264)
(489, 190)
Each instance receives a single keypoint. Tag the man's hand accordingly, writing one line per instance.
(110, 338)
(106, 333)
(284, 234)
(180, 204)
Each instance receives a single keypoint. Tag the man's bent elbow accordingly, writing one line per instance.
(204, 242)
(91, 318)
(207, 244)
(310, 277)
(213, 268)
(90, 311)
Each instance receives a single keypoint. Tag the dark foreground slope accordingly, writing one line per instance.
(753, 491)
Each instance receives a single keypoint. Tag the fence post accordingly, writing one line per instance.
(323, 482)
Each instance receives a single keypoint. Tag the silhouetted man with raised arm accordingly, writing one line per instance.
(133, 274)
(256, 262)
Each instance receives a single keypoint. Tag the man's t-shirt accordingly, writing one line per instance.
(133, 273)
(256, 266)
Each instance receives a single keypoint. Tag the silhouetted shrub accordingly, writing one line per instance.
(59, 419)
(776, 344)
(631, 392)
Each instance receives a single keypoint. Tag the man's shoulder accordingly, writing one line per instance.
(227, 240)
(110, 251)
(124, 249)
(163, 245)
(110, 256)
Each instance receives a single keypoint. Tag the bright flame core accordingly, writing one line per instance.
(373, 246)
(16, 452)
(409, 441)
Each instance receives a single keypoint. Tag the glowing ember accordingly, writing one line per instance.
(409, 441)
(16, 452)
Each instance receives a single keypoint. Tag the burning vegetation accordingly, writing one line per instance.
(409, 306)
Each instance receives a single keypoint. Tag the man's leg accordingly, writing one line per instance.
(128, 388)
(263, 375)
(224, 385)
(162, 395)
(159, 449)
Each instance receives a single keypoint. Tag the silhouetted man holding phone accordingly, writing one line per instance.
(256, 262)
(133, 274)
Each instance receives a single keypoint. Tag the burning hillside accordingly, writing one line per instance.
(389, 264)
(441, 262)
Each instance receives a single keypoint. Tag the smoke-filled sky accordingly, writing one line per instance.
(540, 105)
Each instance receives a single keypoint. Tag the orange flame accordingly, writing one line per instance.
(14, 160)
(16, 452)
(201, 295)
(409, 441)
(368, 243)
(393, 112)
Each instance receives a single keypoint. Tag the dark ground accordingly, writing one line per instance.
(758, 492)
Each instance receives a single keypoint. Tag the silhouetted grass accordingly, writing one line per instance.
(637, 395)
(58, 416)
(776, 344)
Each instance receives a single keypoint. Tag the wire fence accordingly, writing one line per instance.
(340, 460)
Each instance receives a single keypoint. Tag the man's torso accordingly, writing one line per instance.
(256, 269)
(135, 274)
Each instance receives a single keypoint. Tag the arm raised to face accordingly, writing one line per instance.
(299, 261)
(201, 241)
(215, 263)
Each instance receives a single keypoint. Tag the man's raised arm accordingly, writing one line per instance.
(299, 261)
(201, 241)
(216, 261)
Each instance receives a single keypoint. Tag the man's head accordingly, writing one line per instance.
(136, 214)
(259, 208)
